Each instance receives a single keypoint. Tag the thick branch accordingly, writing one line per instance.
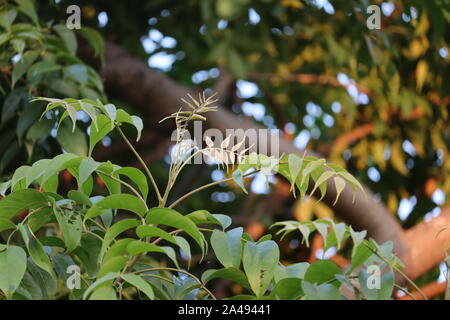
(155, 96)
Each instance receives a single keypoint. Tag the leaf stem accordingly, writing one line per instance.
(126, 185)
(181, 271)
(187, 195)
(147, 170)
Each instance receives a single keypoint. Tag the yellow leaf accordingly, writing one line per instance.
(378, 154)
(392, 203)
(303, 209)
(421, 74)
(397, 158)
(322, 211)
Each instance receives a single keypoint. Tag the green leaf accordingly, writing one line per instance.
(185, 247)
(23, 65)
(37, 170)
(99, 282)
(36, 250)
(324, 291)
(114, 231)
(203, 217)
(340, 185)
(7, 17)
(114, 264)
(11, 104)
(71, 227)
(34, 74)
(321, 271)
(323, 230)
(39, 131)
(68, 36)
(72, 141)
(118, 201)
(137, 176)
(288, 289)
(310, 167)
(352, 181)
(104, 293)
(137, 247)
(150, 231)
(322, 179)
(6, 224)
(360, 255)
(97, 134)
(79, 197)
(140, 284)
(90, 111)
(87, 167)
(236, 64)
(27, 7)
(119, 248)
(233, 274)
(339, 231)
(13, 263)
(172, 218)
(295, 165)
(139, 125)
(21, 200)
(123, 117)
(296, 270)
(111, 112)
(260, 261)
(77, 72)
(238, 178)
(18, 178)
(225, 221)
(357, 238)
(228, 247)
(95, 40)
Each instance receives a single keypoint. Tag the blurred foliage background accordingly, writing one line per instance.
(374, 101)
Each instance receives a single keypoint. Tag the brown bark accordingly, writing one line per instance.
(128, 78)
